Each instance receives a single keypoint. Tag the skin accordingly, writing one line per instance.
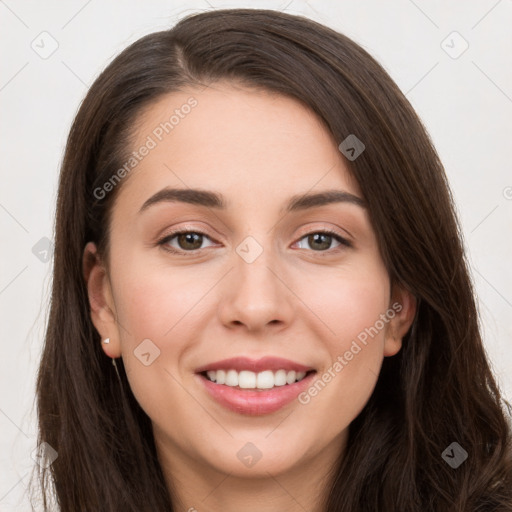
(300, 300)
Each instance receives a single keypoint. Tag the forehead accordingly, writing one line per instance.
(251, 144)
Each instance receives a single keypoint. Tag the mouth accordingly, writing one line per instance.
(267, 379)
(254, 387)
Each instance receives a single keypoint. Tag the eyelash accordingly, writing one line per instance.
(164, 241)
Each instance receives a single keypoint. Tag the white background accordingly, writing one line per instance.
(464, 102)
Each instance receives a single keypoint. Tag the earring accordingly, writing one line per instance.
(106, 341)
(117, 371)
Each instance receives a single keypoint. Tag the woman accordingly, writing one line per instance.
(322, 351)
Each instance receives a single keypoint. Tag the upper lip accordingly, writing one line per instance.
(255, 365)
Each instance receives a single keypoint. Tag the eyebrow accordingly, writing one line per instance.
(215, 200)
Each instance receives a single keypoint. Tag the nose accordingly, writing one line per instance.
(256, 295)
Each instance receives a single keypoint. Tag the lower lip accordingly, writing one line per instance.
(255, 403)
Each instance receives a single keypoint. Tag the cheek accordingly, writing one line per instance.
(155, 310)
(347, 300)
(351, 305)
(152, 302)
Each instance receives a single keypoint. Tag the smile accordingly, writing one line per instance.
(250, 387)
(245, 379)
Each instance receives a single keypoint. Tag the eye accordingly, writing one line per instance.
(323, 239)
(187, 241)
(190, 241)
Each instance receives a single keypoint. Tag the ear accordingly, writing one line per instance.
(401, 312)
(102, 310)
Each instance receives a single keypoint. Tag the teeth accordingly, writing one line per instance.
(280, 378)
(291, 377)
(246, 380)
(231, 378)
(264, 380)
(220, 378)
(250, 380)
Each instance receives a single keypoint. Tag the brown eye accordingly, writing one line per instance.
(321, 241)
(187, 241)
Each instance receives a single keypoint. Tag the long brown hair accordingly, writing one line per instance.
(438, 390)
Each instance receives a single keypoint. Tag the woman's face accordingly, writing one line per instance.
(255, 281)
